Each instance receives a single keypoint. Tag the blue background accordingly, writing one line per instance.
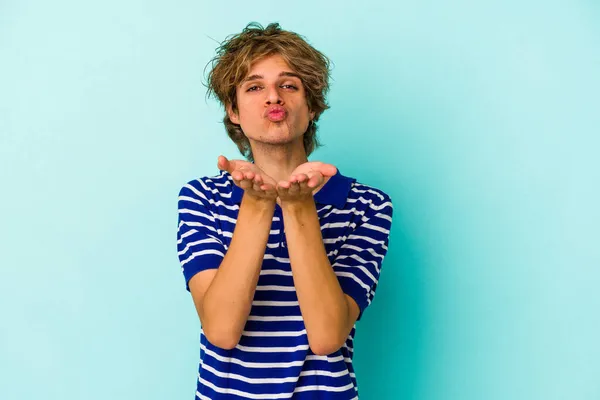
(480, 119)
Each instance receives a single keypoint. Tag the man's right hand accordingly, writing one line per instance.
(250, 178)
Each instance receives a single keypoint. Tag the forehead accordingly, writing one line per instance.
(270, 65)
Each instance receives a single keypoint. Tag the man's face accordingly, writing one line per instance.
(271, 102)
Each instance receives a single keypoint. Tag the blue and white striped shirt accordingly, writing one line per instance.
(272, 359)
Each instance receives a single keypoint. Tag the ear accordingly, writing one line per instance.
(312, 115)
(234, 117)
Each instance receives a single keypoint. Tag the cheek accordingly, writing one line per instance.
(242, 114)
(249, 110)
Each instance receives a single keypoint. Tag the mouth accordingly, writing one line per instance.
(276, 113)
(276, 116)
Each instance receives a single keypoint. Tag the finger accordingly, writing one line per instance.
(231, 166)
(269, 189)
(301, 188)
(294, 188)
(256, 186)
(327, 170)
(245, 184)
(323, 168)
(305, 188)
(282, 191)
(284, 184)
(301, 177)
(237, 175)
(315, 180)
(222, 163)
(258, 183)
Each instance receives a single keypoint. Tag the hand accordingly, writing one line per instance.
(305, 180)
(250, 178)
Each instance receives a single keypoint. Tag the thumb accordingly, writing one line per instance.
(328, 170)
(223, 163)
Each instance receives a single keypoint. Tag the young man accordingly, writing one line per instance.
(281, 255)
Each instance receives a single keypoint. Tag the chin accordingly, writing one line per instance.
(277, 140)
(276, 135)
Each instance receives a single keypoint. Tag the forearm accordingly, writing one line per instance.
(228, 300)
(322, 302)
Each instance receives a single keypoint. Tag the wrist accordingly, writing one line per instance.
(298, 205)
(258, 203)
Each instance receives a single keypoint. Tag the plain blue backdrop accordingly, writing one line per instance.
(479, 118)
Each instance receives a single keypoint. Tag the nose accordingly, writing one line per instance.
(273, 95)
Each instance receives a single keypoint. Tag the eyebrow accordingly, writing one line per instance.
(283, 73)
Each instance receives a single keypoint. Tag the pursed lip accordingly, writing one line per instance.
(275, 108)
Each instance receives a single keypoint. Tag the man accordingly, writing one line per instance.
(281, 255)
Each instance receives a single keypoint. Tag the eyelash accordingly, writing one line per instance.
(255, 86)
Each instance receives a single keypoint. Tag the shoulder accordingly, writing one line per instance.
(368, 198)
(208, 189)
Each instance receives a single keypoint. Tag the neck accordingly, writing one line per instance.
(279, 160)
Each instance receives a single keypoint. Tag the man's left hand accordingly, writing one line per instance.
(305, 180)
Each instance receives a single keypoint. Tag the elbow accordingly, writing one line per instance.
(325, 346)
(324, 349)
(222, 339)
(226, 344)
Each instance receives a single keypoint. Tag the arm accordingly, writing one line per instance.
(332, 297)
(222, 281)
(223, 296)
(328, 313)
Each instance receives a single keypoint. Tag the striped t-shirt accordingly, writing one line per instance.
(273, 359)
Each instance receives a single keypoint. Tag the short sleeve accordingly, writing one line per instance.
(358, 262)
(198, 244)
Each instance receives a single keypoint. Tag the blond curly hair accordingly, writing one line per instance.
(238, 52)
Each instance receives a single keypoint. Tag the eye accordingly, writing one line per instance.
(254, 88)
